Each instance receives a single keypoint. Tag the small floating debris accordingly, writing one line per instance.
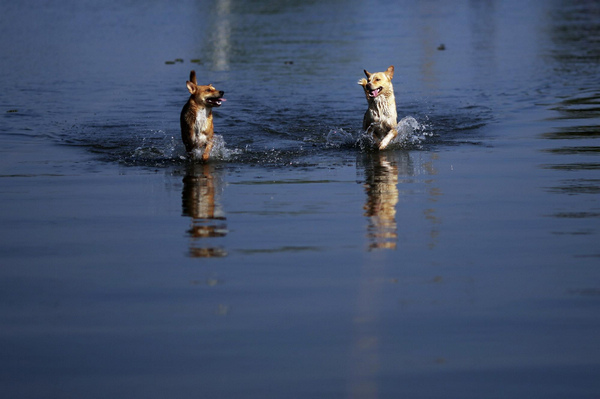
(175, 61)
(196, 61)
(289, 62)
(12, 111)
(442, 47)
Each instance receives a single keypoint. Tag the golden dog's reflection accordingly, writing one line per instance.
(381, 185)
(383, 172)
(200, 201)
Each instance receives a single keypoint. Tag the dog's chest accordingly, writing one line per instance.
(201, 125)
(380, 110)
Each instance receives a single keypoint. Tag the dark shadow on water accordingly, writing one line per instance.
(200, 201)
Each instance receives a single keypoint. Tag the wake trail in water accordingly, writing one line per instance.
(169, 149)
(156, 148)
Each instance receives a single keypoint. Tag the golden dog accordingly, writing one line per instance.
(380, 119)
(197, 129)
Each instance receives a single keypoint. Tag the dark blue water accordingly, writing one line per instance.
(299, 263)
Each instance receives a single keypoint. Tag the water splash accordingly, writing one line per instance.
(411, 133)
(133, 146)
(339, 138)
(219, 150)
(152, 148)
(169, 149)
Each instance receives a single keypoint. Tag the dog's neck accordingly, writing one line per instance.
(382, 103)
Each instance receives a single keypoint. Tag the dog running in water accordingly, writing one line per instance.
(380, 119)
(197, 129)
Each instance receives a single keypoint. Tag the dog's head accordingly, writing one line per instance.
(378, 83)
(204, 95)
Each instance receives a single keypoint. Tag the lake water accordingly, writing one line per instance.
(463, 262)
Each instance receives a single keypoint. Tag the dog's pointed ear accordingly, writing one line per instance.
(390, 72)
(191, 86)
(193, 77)
(367, 73)
(362, 82)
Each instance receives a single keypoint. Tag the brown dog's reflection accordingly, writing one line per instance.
(201, 188)
(381, 186)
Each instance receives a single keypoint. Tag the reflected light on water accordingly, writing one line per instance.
(221, 35)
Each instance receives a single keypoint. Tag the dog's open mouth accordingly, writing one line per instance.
(375, 92)
(215, 101)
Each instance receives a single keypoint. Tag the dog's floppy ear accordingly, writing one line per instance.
(191, 86)
(193, 77)
(368, 74)
(390, 72)
(362, 82)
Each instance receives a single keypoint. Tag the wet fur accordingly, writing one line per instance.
(380, 120)
(197, 128)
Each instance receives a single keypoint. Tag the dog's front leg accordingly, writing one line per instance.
(388, 137)
(207, 150)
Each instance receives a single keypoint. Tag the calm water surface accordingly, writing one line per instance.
(461, 263)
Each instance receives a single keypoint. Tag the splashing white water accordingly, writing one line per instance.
(410, 133)
(339, 138)
(161, 147)
(157, 146)
(219, 151)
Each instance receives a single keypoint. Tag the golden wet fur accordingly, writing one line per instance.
(380, 119)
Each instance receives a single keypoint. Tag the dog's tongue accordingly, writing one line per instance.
(221, 99)
(375, 93)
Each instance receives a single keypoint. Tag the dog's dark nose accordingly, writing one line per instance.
(221, 93)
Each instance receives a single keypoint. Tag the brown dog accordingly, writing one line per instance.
(196, 119)
(380, 119)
